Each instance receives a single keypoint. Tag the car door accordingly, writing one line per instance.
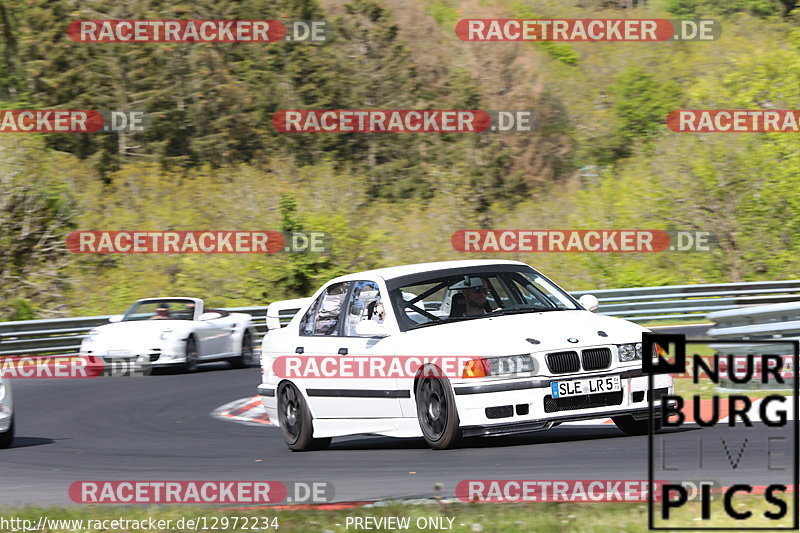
(213, 334)
(374, 396)
(222, 326)
(328, 333)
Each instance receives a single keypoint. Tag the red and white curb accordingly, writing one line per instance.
(248, 411)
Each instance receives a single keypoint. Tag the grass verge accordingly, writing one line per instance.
(580, 517)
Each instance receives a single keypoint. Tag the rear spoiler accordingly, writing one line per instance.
(281, 312)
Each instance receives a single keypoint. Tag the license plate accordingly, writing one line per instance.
(578, 387)
(119, 353)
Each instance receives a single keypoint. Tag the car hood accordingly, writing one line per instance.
(139, 331)
(504, 335)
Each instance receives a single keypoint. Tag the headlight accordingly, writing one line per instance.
(165, 334)
(638, 350)
(498, 366)
(627, 352)
(511, 364)
(91, 336)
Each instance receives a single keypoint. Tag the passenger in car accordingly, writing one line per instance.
(376, 311)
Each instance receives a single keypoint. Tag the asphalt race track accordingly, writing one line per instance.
(159, 428)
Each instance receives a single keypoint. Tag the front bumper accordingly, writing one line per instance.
(140, 356)
(507, 407)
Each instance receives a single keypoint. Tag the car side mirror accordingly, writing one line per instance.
(589, 302)
(115, 318)
(370, 328)
(209, 316)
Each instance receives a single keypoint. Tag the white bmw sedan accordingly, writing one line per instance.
(6, 414)
(522, 355)
(173, 332)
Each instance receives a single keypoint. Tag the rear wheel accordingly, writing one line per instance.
(7, 437)
(631, 426)
(436, 411)
(190, 365)
(294, 418)
(245, 357)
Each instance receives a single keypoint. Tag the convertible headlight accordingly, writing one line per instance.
(629, 352)
(91, 335)
(498, 366)
(165, 334)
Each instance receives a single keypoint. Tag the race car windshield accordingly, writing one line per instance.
(161, 310)
(476, 294)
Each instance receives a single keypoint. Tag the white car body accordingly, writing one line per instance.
(217, 334)
(6, 414)
(346, 406)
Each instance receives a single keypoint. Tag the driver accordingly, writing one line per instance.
(475, 300)
(471, 301)
(162, 312)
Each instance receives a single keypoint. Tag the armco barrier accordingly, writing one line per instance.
(691, 301)
(63, 335)
(754, 323)
(776, 321)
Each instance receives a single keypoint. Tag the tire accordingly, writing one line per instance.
(7, 437)
(245, 358)
(631, 426)
(295, 418)
(436, 411)
(190, 365)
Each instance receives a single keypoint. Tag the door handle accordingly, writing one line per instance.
(299, 349)
(342, 351)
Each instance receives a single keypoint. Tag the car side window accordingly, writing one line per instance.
(322, 317)
(365, 304)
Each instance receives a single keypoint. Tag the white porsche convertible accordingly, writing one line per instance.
(533, 357)
(177, 332)
(6, 414)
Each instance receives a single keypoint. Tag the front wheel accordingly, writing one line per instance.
(436, 411)
(294, 418)
(7, 437)
(631, 426)
(190, 365)
(245, 357)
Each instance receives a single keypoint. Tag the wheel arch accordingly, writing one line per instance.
(299, 386)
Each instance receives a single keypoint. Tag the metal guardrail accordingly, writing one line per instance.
(773, 322)
(63, 335)
(691, 301)
(753, 324)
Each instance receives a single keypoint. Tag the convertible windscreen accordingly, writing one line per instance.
(161, 310)
(474, 295)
